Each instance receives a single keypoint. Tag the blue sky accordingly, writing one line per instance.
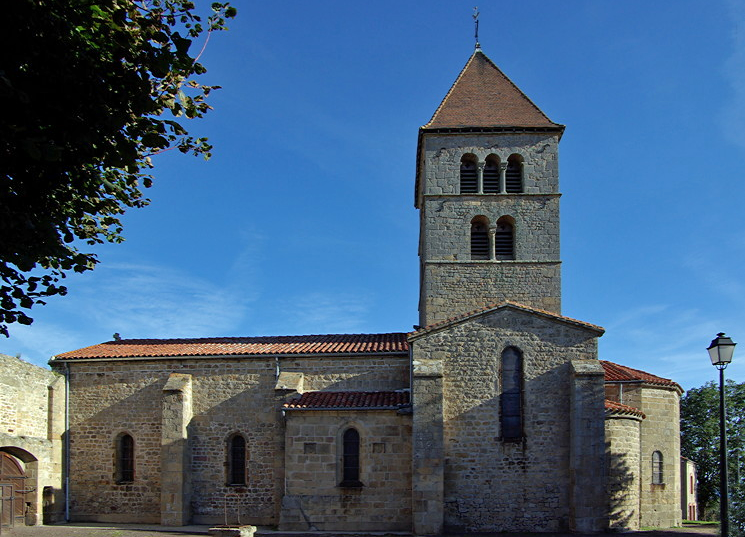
(303, 221)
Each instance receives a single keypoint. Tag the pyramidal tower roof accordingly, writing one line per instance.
(482, 96)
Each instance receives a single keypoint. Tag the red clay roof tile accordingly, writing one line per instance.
(483, 96)
(621, 373)
(614, 407)
(393, 343)
(340, 400)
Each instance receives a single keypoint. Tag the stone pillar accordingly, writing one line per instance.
(587, 471)
(502, 177)
(53, 493)
(428, 450)
(175, 481)
(480, 168)
(492, 243)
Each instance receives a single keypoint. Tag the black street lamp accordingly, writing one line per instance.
(720, 351)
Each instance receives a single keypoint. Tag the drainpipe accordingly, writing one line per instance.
(67, 442)
(411, 374)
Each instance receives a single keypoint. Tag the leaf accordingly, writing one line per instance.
(79, 125)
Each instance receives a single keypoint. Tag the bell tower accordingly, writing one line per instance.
(487, 190)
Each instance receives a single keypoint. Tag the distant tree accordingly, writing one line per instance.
(91, 90)
(699, 429)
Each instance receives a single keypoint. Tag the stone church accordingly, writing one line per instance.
(495, 414)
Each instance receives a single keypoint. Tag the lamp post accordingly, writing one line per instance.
(720, 351)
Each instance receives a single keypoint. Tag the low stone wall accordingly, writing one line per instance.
(32, 401)
(314, 499)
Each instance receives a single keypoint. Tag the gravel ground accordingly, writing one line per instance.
(137, 530)
(102, 530)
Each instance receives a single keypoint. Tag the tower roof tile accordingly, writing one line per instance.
(483, 96)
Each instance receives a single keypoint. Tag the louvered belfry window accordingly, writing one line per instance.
(351, 459)
(469, 177)
(510, 417)
(491, 175)
(479, 240)
(125, 459)
(504, 240)
(514, 175)
(237, 460)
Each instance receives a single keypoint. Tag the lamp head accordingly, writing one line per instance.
(721, 350)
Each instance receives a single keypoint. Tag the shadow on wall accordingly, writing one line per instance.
(492, 482)
(623, 496)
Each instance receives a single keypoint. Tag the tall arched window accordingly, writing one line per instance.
(469, 175)
(514, 174)
(125, 458)
(479, 238)
(491, 175)
(236, 460)
(657, 472)
(350, 461)
(511, 412)
(504, 239)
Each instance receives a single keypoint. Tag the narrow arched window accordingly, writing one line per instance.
(236, 460)
(504, 239)
(469, 175)
(657, 472)
(511, 411)
(125, 458)
(491, 175)
(514, 174)
(350, 464)
(479, 238)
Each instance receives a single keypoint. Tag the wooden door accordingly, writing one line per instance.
(12, 490)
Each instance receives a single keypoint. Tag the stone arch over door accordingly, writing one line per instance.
(18, 481)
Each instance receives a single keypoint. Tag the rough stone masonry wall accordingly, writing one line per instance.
(623, 444)
(31, 427)
(106, 400)
(314, 500)
(455, 288)
(24, 398)
(493, 485)
(454, 284)
(442, 154)
(229, 395)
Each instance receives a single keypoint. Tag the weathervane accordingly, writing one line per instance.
(476, 22)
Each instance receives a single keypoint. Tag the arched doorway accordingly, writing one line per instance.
(13, 490)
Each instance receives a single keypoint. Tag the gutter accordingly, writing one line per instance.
(411, 374)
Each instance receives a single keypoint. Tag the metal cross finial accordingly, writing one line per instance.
(476, 22)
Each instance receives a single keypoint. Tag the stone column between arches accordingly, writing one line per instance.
(175, 493)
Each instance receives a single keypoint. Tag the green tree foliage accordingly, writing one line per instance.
(699, 429)
(91, 90)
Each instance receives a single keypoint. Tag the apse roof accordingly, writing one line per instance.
(614, 407)
(622, 373)
(483, 96)
(392, 343)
